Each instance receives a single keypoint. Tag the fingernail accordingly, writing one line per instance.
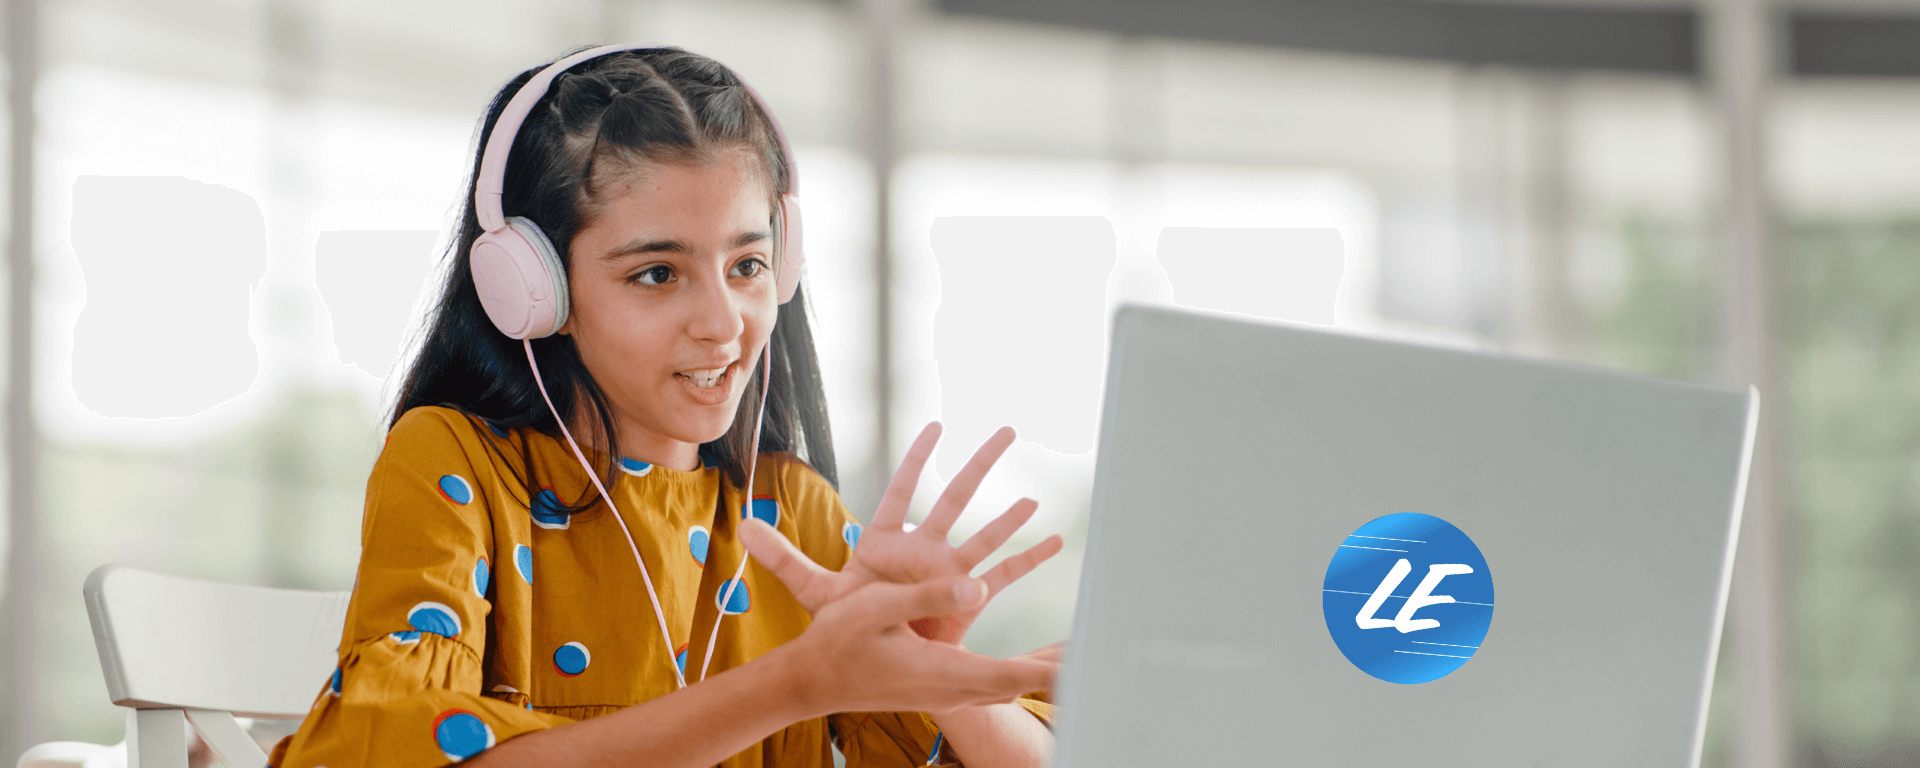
(970, 592)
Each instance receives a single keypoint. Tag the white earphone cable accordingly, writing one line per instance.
(753, 462)
(665, 636)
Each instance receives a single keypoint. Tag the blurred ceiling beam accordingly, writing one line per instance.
(1568, 36)
(1531, 35)
(1854, 43)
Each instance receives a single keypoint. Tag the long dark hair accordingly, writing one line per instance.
(658, 105)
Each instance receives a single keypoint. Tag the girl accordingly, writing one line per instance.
(507, 613)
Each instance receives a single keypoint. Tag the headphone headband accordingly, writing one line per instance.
(517, 270)
(488, 182)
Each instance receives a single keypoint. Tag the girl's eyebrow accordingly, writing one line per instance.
(638, 247)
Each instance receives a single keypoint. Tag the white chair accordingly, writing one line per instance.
(188, 655)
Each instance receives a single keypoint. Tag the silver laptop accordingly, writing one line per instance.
(1315, 549)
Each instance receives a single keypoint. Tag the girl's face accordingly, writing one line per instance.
(673, 300)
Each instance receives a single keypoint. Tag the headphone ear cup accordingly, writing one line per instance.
(792, 257)
(520, 281)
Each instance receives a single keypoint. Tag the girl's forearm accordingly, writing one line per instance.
(695, 727)
(997, 736)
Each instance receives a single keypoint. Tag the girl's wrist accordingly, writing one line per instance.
(795, 683)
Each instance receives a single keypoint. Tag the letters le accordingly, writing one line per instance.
(1422, 597)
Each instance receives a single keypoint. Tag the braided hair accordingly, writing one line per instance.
(593, 127)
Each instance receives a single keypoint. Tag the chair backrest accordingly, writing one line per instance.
(174, 642)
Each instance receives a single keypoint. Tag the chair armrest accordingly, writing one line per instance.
(60, 754)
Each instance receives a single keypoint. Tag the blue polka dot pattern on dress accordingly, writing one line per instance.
(436, 618)
(481, 574)
(334, 685)
(635, 467)
(697, 540)
(408, 637)
(523, 562)
(548, 512)
(851, 533)
(455, 488)
(738, 603)
(461, 734)
(765, 508)
(571, 659)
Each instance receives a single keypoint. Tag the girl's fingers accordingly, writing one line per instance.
(954, 500)
(884, 604)
(997, 680)
(893, 505)
(811, 584)
(1011, 569)
(996, 533)
(1050, 653)
(984, 678)
(882, 665)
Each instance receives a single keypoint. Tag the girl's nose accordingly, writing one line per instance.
(716, 312)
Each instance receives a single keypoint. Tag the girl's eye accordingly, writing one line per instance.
(654, 275)
(749, 268)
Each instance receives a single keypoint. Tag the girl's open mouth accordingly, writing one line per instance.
(708, 386)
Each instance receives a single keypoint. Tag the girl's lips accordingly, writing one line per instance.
(714, 395)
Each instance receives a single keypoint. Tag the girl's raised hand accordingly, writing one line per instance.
(890, 553)
(859, 654)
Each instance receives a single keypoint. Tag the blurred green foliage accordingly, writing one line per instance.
(1850, 294)
(1849, 326)
(1662, 322)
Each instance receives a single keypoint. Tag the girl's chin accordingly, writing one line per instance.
(701, 431)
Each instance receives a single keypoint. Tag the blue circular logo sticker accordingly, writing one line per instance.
(1408, 598)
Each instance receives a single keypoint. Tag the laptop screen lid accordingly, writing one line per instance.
(1563, 537)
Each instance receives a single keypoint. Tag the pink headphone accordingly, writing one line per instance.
(516, 268)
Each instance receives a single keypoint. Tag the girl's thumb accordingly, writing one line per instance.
(970, 593)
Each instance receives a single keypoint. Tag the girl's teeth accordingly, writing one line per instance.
(705, 379)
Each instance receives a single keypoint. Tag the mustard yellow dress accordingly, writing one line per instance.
(479, 614)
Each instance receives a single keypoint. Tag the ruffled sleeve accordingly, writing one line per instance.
(868, 739)
(407, 691)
